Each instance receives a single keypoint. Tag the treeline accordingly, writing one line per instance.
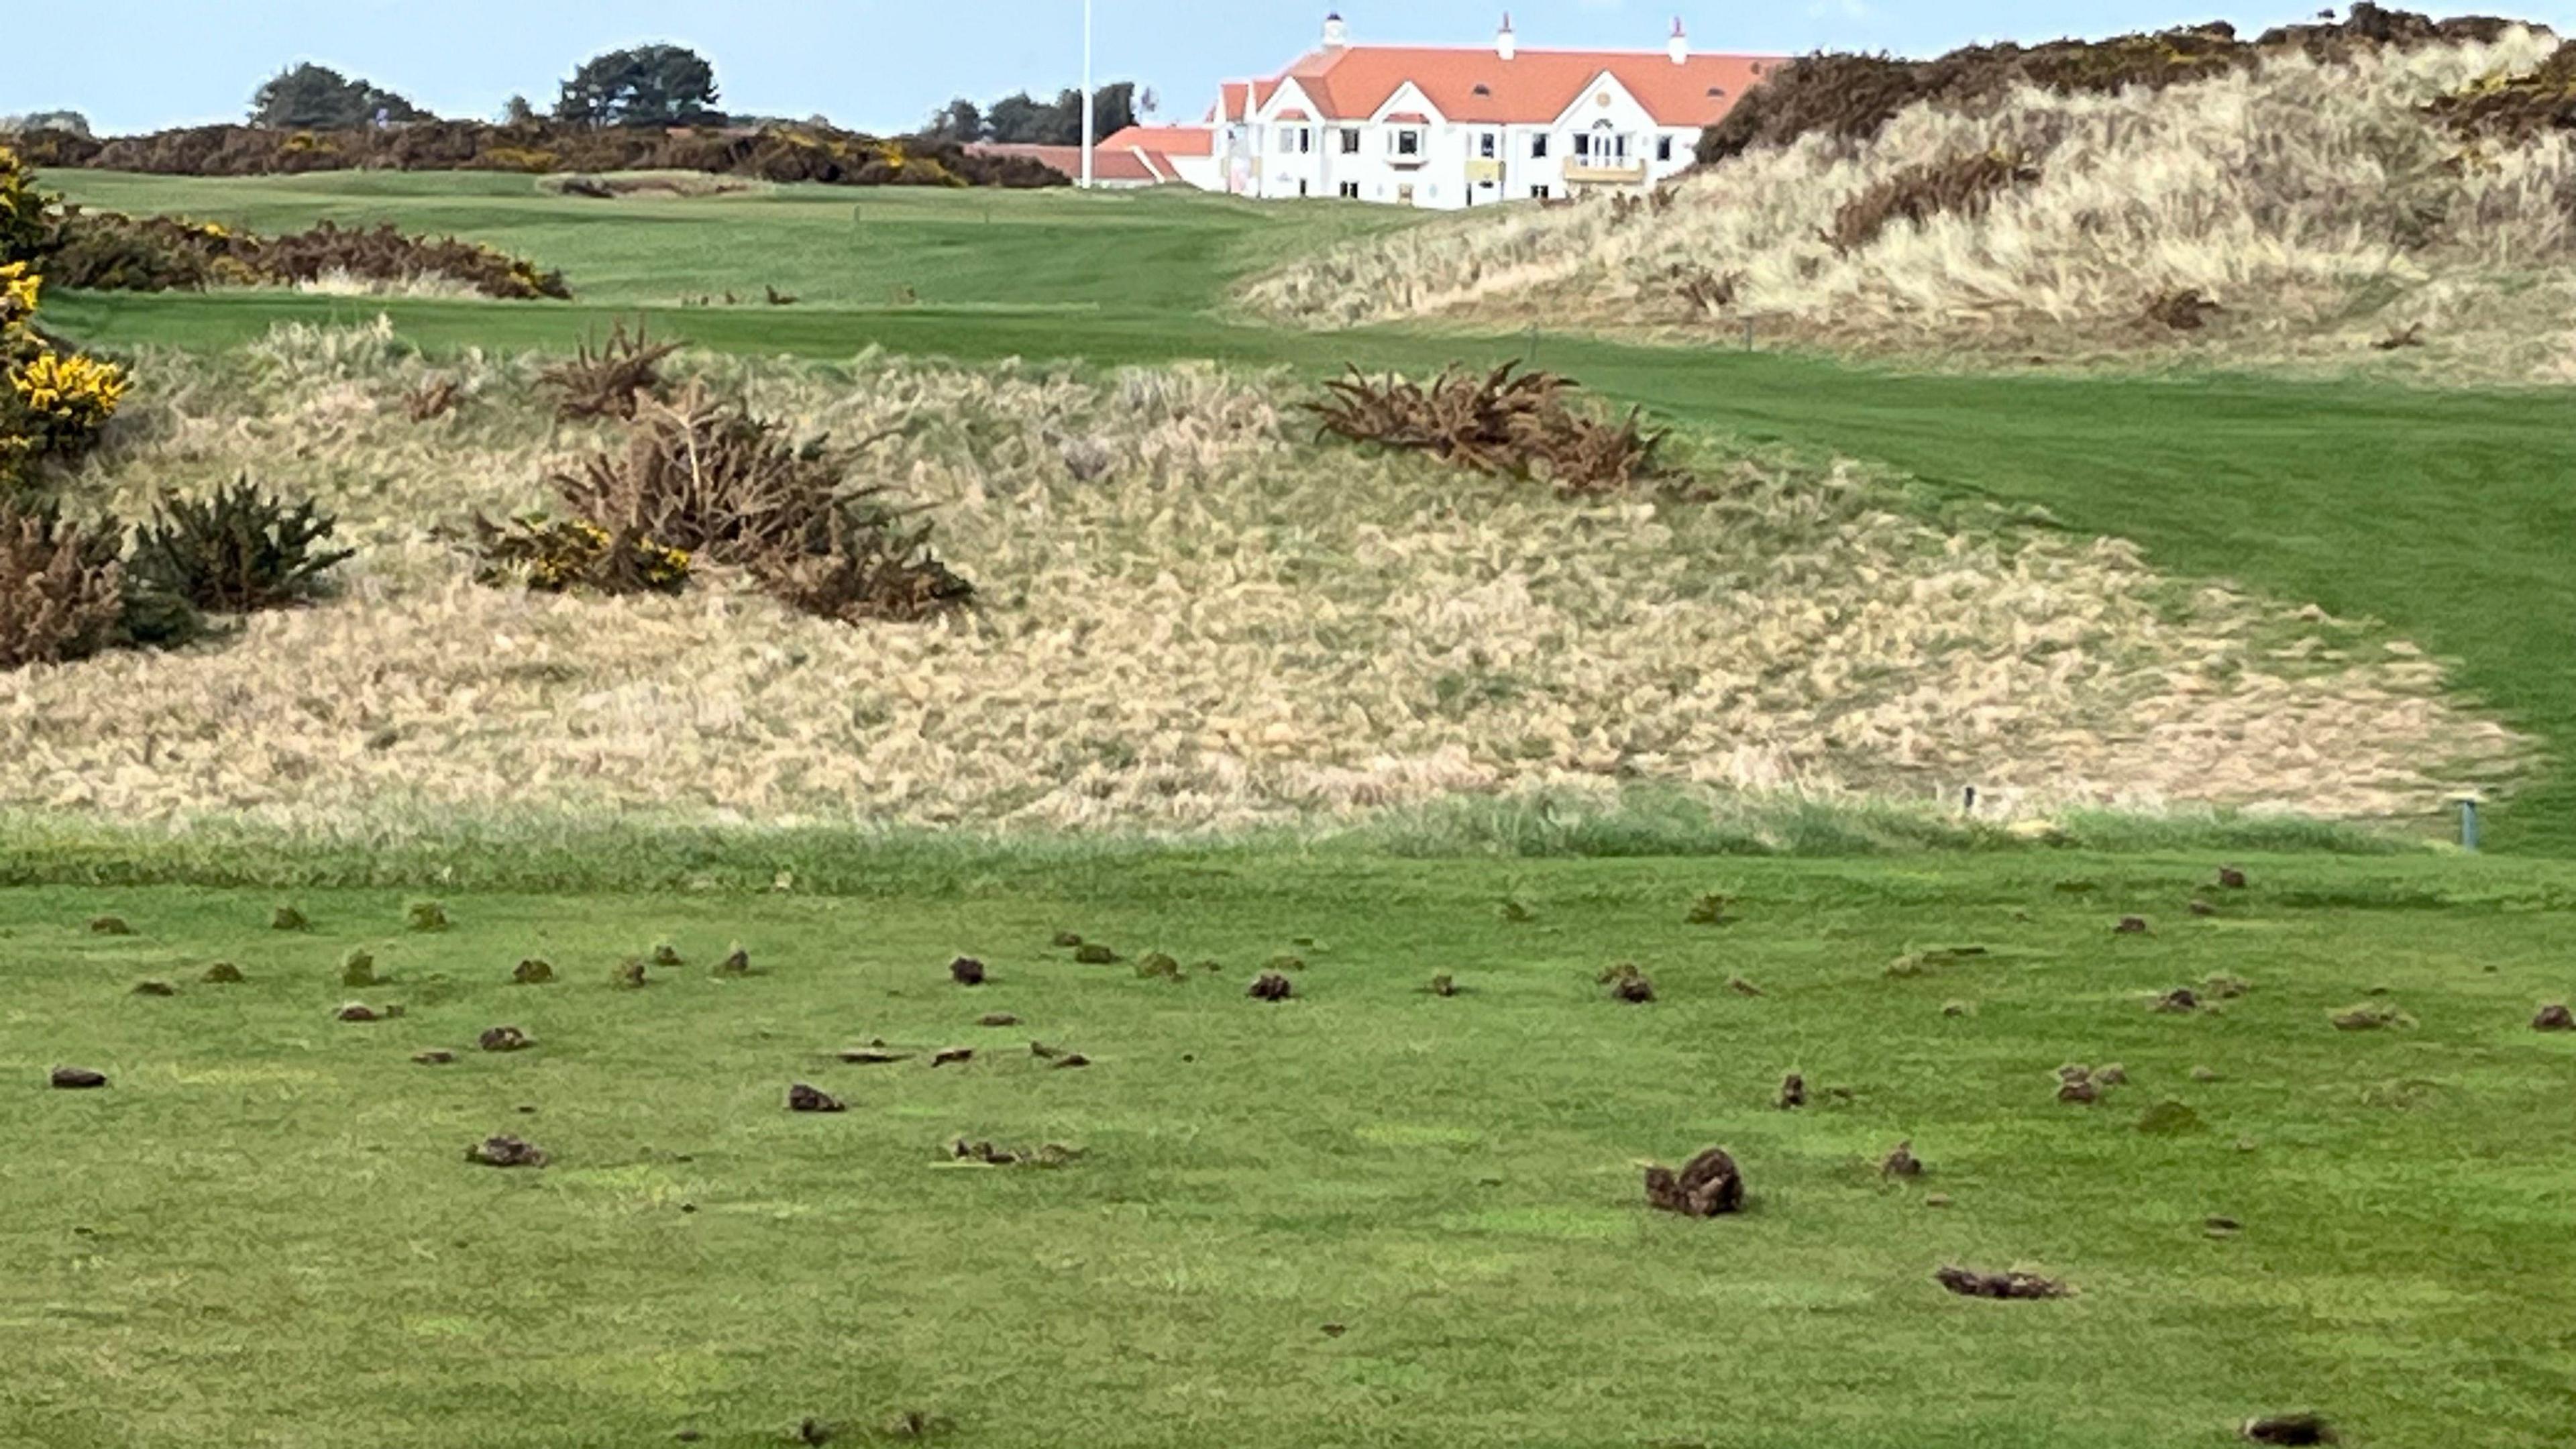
(803, 152)
(1024, 120)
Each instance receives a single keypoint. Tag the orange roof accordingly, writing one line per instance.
(1477, 86)
(1239, 99)
(1165, 140)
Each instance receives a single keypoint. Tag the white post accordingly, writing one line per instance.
(1087, 119)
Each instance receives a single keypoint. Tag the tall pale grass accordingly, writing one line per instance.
(2311, 201)
(1190, 618)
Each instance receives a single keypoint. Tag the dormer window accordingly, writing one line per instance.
(1408, 143)
(1717, 93)
(1483, 89)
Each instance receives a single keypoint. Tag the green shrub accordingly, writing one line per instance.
(237, 552)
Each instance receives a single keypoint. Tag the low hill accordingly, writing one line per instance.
(1189, 615)
(2393, 194)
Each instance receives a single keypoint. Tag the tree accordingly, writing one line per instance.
(71, 122)
(961, 121)
(517, 112)
(313, 97)
(1024, 120)
(652, 85)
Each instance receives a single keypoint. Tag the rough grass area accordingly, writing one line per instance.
(1369, 1213)
(2332, 223)
(1190, 614)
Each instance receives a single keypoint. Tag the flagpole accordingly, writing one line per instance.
(1087, 118)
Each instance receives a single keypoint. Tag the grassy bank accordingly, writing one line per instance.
(1367, 1213)
(2436, 513)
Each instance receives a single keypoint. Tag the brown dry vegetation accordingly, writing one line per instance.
(2324, 198)
(1190, 615)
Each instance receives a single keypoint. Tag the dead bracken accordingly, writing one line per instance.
(1901, 1162)
(2076, 1084)
(2131, 926)
(2555, 1017)
(504, 1039)
(223, 973)
(966, 971)
(2180, 1000)
(155, 988)
(737, 962)
(1971, 1283)
(535, 971)
(110, 926)
(1271, 986)
(505, 1151)
(1092, 953)
(1707, 1186)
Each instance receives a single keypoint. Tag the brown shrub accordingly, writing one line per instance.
(607, 381)
(710, 479)
(1506, 423)
(781, 153)
(1959, 185)
(2514, 109)
(61, 587)
(1851, 96)
(107, 251)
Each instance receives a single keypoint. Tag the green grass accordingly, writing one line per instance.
(2441, 514)
(264, 1232)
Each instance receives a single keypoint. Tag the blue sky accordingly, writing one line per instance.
(884, 64)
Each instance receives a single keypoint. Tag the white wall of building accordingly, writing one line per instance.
(1443, 165)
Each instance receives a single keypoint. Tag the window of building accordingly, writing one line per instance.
(1350, 140)
(1538, 146)
(1538, 193)
(1305, 140)
(1350, 191)
(1663, 148)
(1489, 145)
(1582, 146)
(1408, 143)
(1301, 186)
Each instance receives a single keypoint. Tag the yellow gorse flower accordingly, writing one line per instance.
(18, 288)
(75, 389)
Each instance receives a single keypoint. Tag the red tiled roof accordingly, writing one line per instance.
(1239, 99)
(1165, 140)
(1476, 85)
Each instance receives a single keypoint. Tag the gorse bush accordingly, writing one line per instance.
(107, 251)
(607, 381)
(1958, 185)
(52, 403)
(563, 555)
(1850, 97)
(2514, 108)
(779, 153)
(1505, 423)
(236, 552)
(62, 594)
(698, 479)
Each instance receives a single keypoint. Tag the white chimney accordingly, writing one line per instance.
(1336, 34)
(1680, 43)
(1504, 43)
